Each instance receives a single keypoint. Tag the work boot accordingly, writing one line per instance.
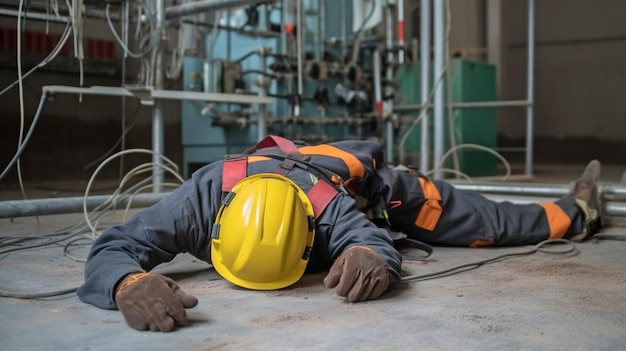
(585, 191)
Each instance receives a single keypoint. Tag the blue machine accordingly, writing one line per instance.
(337, 99)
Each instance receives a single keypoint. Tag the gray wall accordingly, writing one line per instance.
(580, 77)
(580, 72)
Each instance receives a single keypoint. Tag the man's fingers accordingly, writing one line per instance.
(334, 275)
(359, 274)
(135, 320)
(160, 316)
(349, 281)
(361, 290)
(187, 300)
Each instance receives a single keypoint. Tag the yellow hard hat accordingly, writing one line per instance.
(263, 233)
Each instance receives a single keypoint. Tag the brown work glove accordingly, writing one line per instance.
(152, 301)
(359, 274)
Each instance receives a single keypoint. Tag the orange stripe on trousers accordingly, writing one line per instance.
(431, 210)
(558, 221)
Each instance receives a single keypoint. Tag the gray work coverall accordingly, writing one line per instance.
(429, 211)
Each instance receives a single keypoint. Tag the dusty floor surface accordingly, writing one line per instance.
(540, 301)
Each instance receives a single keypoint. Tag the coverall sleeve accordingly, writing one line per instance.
(179, 223)
(342, 226)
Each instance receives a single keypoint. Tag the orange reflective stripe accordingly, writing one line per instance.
(558, 221)
(257, 158)
(481, 243)
(431, 210)
(355, 167)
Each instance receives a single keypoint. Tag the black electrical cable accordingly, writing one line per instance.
(19, 151)
(36, 295)
(469, 266)
(49, 242)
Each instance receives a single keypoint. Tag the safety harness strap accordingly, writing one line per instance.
(235, 169)
(320, 195)
(285, 145)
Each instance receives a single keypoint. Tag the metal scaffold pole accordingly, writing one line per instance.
(529, 88)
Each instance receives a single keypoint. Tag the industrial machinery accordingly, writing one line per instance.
(335, 70)
(315, 71)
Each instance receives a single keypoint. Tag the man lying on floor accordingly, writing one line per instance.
(265, 217)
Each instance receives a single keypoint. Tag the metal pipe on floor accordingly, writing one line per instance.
(613, 196)
(550, 190)
(42, 207)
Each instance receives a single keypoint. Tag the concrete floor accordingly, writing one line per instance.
(541, 301)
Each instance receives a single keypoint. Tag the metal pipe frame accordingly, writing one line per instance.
(388, 103)
(300, 26)
(401, 31)
(262, 126)
(41, 207)
(438, 105)
(529, 88)
(614, 197)
(42, 16)
(158, 144)
(425, 70)
(439, 66)
(377, 87)
(523, 189)
(458, 105)
(35, 16)
(148, 95)
(193, 8)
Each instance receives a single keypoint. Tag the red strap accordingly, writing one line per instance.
(320, 196)
(233, 171)
(287, 146)
(236, 169)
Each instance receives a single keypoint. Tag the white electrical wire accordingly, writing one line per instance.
(449, 170)
(75, 10)
(482, 148)
(178, 52)
(153, 36)
(109, 159)
(214, 34)
(132, 196)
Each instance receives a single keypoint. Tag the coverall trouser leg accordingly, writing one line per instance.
(436, 212)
